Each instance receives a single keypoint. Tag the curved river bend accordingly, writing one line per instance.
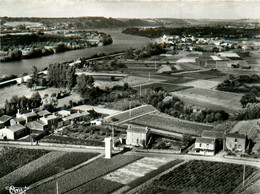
(120, 42)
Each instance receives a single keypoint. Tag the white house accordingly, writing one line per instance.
(137, 136)
(13, 132)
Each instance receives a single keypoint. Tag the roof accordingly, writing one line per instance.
(212, 134)
(137, 130)
(236, 135)
(75, 115)
(63, 112)
(97, 109)
(19, 119)
(43, 113)
(229, 54)
(5, 118)
(15, 128)
(49, 117)
(205, 140)
(30, 114)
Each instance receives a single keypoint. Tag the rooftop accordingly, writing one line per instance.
(98, 109)
(4, 118)
(75, 115)
(212, 134)
(205, 140)
(15, 128)
(43, 113)
(137, 129)
(30, 114)
(236, 135)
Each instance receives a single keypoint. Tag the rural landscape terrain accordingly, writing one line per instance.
(119, 105)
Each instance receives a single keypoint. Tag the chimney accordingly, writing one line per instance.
(18, 111)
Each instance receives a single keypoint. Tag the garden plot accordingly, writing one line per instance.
(203, 84)
(135, 170)
(227, 101)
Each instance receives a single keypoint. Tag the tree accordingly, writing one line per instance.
(248, 98)
(84, 84)
(29, 83)
(35, 76)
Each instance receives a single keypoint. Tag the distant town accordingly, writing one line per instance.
(179, 114)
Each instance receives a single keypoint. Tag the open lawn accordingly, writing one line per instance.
(21, 90)
(200, 177)
(85, 174)
(227, 101)
(204, 74)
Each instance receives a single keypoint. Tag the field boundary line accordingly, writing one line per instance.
(64, 172)
(136, 189)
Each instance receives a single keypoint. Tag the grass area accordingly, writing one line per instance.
(200, 177)
(85, 174)
(204, 74)
(71, 140)
(166, 86)
(14, 158)
(65, 162)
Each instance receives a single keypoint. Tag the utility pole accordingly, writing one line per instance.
(57, 187)
(130, 106)
(113, 134)
(140, 90)
(149, 77)
(244, 171)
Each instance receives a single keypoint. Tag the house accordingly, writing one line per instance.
(205, 146)
(13, 132)
(43, 113)
(30, 116)
(74, 117)
(51, 121)
(5, 119)
(63, 113)
(137, 136)
(20, 121)
(37, 125)
(236, 142)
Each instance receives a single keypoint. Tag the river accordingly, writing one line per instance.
(120, 42)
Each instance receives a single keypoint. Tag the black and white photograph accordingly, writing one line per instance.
(129, 97)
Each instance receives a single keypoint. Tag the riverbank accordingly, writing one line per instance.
(120, 42)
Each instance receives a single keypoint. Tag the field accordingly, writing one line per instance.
(203, 84)
(204, 74)
(200, 177)
(84, 175)
(168, 123)
(130, 114)
(130, 175)
(166, 86)
(13, 158)
(21, 90)
(227, 101)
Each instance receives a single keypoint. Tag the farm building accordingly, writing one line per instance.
(13, 132)
(100, 110)
(5, 119)
(137, 136)
(20, 121)
(51, 121)
(236, 142)
(74, 117)
(37, 125)
(219, 138)
(205, 146)
(30, 116)
(43, 113)
(63, 113)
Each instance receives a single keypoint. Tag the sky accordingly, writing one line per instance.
(197, 9)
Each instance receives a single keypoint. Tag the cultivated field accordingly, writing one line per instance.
(85, 174)
(168, 123)
(200, 177)
(21, 90)
(203, 84)
(167, 86)
(227, 101)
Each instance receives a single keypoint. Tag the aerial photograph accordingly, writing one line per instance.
(129, 96)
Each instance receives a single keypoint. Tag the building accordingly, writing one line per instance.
(236, 142)
(5, 120)
(137, 136)
(30, 116)
(51, 121)
(43, 113)
(63, 113)
(37, 125)
(205, 146)
(13, 132)
(74, 117)
(20, 121)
